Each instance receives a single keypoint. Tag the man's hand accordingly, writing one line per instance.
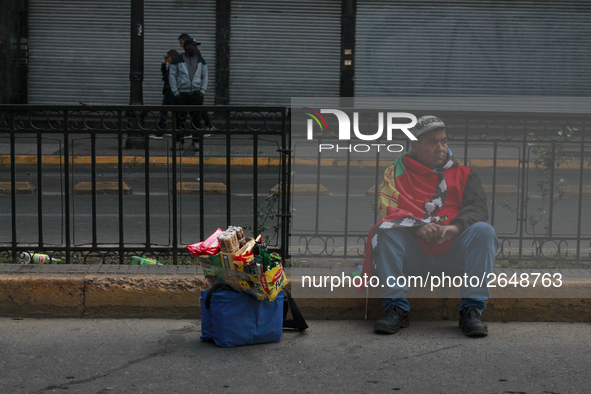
(439, 234)
(428, 231)
(446, 233)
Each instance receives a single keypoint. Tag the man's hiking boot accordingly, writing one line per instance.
(394, 319)
(471, 323)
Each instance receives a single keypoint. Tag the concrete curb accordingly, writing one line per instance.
(20, 187)
(177, 296)
(303, 190)
(195, 188)
(85, 188)
(56, 295)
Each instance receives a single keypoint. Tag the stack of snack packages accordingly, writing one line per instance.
(243, 263)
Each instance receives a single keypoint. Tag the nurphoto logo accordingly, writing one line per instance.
(391, 120)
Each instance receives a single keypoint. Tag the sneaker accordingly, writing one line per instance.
(156, 137)
(394, 319)
(471, 323)
(210, 128)
(195, 146)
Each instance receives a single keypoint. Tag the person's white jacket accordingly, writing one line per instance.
(179, 76)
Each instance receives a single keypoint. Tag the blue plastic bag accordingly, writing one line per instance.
(238, 319)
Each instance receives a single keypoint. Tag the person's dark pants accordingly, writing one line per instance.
(473, 253)
(167, 99)
(193, 98)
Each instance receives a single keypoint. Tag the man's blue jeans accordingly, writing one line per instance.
(473, 253)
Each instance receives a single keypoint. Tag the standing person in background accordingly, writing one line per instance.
(167, 96)
(182, 38)
(188, 82)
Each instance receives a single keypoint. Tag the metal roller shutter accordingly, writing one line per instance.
(280, 50)
(465, 48)
(79, 51)
(164, 21)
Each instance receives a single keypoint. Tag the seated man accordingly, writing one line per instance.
(434, 214)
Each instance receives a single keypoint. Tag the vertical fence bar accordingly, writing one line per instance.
(201, 191)
(147, 187)
(93, 186)
(40, 189)
(376, 210)
(13, 189)
(347, 182)
(180, 190)
(285, 187)
(174, 191)
(552, 175)
(255, 185)
(580, 213)
(228, 169)
(286, 133)
(317, 219)
(120, 184)
(466, 144)
(67, 185)
(523, 190)
(73, 178)
(494, 185)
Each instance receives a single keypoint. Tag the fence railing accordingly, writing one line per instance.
(71, 187)
(536, 169)
(102, 183)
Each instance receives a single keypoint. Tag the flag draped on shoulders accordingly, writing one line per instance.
(412, 195)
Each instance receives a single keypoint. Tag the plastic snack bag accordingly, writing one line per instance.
(209, 247)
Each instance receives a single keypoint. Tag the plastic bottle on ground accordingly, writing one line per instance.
(36, 258)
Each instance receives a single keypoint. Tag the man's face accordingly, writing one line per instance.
(182, 42)
(431, 148)
(191, 50)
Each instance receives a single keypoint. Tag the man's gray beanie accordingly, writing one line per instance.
(427, 123)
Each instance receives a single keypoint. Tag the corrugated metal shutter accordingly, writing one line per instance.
(485, 48)
(79, 51)
(280, 50)
(164, 21)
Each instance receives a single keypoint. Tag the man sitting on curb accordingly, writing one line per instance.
(434, 213)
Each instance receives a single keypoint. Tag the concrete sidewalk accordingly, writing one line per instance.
(166, 356)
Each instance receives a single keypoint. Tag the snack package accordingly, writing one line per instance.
(240, 261)
(263, 286)
(261, 276)
(209, 247)
(228, 242)
(239, 235)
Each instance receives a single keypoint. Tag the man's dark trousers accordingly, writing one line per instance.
(192, 98)
(473, 253)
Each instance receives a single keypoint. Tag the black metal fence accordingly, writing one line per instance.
(536, 169)
(72, 187)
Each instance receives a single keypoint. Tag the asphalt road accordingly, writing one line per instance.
(166, 356)
(328, 216)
